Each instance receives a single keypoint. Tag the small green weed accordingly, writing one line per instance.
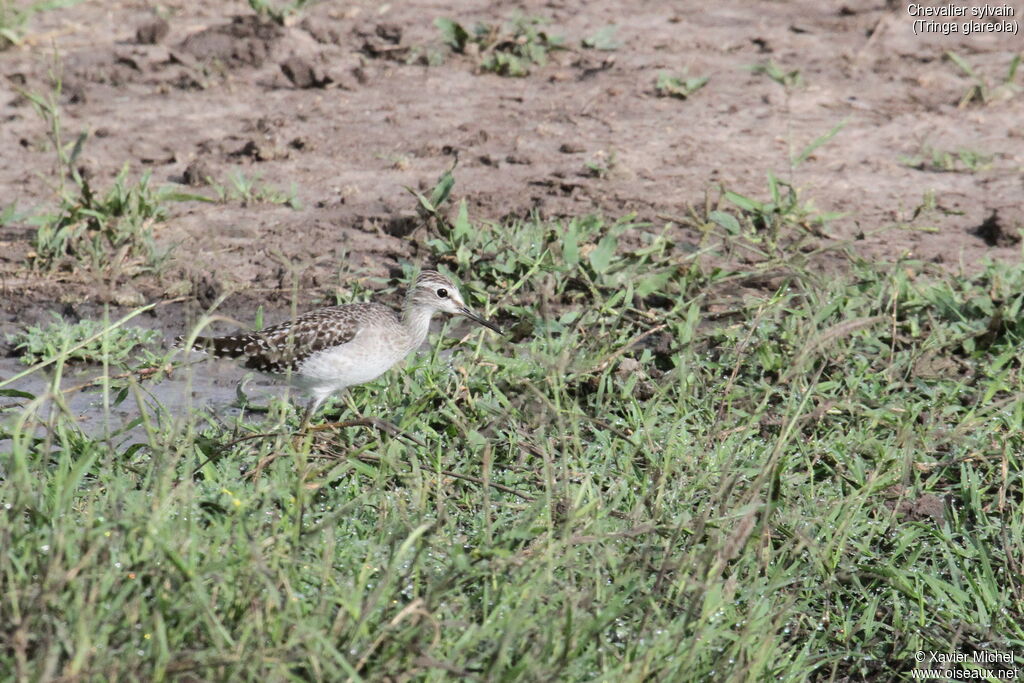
(768, 222)
(679, 87)
(47, 107)
(280, 13)
(510, 50)
(926, 210)
(250, 190)
(937, 160)
(109, 231)
(453, 34)
(981, 90)
(429, 209)
(787, 79)
(41, 343)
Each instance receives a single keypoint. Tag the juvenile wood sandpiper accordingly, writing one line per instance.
(329, 349)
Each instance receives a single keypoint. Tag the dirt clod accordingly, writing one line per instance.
(245, 42)
(197, 173)
(74, 92)
(928, 506)
(321, 32)
(207, 289)
(383, 41)
(991, 230)
(392, 33)
(262, 150)
(401, 225)
(302, 74)
(627, 367)
(152, 32)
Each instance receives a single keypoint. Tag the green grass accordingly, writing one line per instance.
(105, 232)
(982, 90)
(770, 228)
(47, 343)
(668, 470)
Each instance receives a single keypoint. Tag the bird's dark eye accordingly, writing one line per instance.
(442, 293)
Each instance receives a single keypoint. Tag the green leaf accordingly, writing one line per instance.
(76, 148)
(1011, 72)
(443, 188)
(688, 329)
(571, 247)
(462, 227)
(10, 35)
(424, 202)
(652, 283)
(15, 393)
(601, 256)
(962, 63)
(452, 33)
(818, 142)
(187, 197)
(745, 203)
(126, 428)
(135, 447)
(615, 300)
(726, 220)
(74, 477)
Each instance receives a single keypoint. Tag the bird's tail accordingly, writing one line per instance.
(231, 346)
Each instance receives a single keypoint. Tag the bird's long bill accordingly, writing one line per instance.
(474, 317)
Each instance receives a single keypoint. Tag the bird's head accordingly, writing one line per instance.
(434, 290)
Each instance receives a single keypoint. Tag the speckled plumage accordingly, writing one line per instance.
(330, 349)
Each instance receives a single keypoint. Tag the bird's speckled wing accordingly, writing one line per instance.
(284, 347)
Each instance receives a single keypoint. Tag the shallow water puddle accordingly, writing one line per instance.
(207, 386)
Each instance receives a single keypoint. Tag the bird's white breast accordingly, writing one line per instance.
(366, 357)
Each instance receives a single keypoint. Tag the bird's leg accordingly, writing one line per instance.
(311, 408)
(336, 425)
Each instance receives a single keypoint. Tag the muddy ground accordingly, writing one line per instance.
(352, 101)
